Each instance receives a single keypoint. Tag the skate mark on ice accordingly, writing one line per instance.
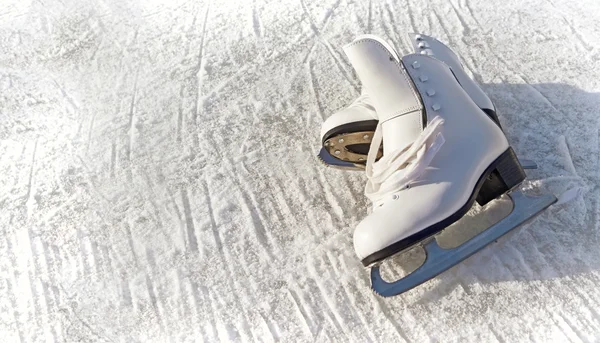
(96, 49)
(392, 20)
(113, 159)
(328, 47)
(306, 320)
(251, 208)
(35, 309)
(313, 25)
(182, 232)
(97, 257)
(360, 304)
(466, 29)
(271, 326)
(184, 311)
(570, 327)
(333, 312)
(339, 64)
(38, 315)
(556, 269)
(315, 90)
(125, 291)
(256, 22)
(132, 118)
(216, 89)
(577, 35)
(467, 5)
(66, 95)
(179, 122)
(232, 329)
(87, 260)
(563, 146)
(213, 224)
(353, 316)
(545, 98)
(51, 304)
(156, 209)
(130, 242)
(90, 130)
(42, 267)
(199, 69)
(495, 334)
(226, 262)
(258, 225)
(330, 10)
(154, 302)
(449, 36)
(50, 263)
(370, 17)
(411, 16)
(208, 310)
(189, 222)
(312, 47)
(74, 313)
(11, 295)
(526, 82)
(330, 197)
(29, 197)
(384, 308)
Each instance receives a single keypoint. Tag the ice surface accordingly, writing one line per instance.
(159, 179)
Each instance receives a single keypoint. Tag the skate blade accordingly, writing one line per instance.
(330, 161)
(438, 259)
(528, 164)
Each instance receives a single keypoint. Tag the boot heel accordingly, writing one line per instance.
(507, 174)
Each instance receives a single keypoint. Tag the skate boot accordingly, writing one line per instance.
(346, 135)
(442, 153)
(354, 126)
(430, 46)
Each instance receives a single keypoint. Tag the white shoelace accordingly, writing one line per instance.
(362, 101)
(397, 169)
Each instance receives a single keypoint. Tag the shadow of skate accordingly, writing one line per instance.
(556, 125)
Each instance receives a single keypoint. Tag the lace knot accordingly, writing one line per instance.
(398, 168)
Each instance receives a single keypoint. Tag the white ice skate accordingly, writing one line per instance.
(346, 134)
(442, 153)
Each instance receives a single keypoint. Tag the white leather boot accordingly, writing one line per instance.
(354, 125)
(440, 148)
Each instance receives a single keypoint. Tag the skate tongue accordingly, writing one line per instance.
(383, 77)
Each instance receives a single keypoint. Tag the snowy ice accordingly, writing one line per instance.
(159, 179)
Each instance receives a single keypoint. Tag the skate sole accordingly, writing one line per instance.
(346, 146)
(351, 147)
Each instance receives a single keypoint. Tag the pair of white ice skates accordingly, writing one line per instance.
(431, 144)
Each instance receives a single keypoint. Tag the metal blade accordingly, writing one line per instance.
(439, 260)
(528, 164)
(330, 161)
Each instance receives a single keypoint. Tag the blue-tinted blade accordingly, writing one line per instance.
(329, 160)
(528, 164)
(439, 260)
